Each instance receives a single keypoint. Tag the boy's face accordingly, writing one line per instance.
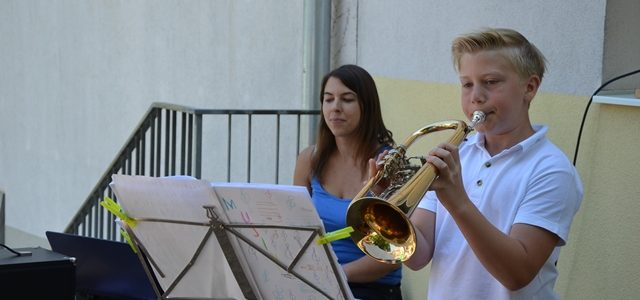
(491, 84)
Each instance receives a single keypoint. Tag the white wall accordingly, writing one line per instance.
(412, 40)
(77, 77)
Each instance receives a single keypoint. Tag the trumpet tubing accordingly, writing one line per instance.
(381, 224)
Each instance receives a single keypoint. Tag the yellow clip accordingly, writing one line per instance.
(335, 235)
(127, 238)
(115, 209)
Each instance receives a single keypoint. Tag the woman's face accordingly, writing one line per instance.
(340, 108)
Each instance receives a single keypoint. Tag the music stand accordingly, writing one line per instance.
(246, 223)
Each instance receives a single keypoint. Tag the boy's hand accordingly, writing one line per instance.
(376, 165)
(448, 185)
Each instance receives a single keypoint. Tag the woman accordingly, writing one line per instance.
(334, 170)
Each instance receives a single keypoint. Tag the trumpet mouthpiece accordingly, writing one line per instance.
(477, 117)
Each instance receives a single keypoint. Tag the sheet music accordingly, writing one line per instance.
(269, 204)
(173, 245)
(310, 270)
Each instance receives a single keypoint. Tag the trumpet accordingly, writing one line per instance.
(380, 222)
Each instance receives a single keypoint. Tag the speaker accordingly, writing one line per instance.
(36, 274)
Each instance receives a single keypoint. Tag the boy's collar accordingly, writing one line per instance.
(540, 132)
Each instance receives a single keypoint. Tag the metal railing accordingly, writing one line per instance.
(216, 145)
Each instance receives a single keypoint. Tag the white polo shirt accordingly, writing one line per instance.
(533, 183)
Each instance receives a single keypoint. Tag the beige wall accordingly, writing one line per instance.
(600, 260)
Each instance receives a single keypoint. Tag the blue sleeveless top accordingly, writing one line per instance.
(333, 211)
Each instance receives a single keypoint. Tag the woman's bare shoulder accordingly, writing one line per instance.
(307, 153)
(302, 173)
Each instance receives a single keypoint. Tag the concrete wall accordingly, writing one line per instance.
(586, 43)
(77, 76)
(621, 44)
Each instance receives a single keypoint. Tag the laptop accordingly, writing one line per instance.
(104, 269)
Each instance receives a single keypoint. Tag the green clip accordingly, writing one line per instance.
(116, 209)
(127, 238)
(335, 235)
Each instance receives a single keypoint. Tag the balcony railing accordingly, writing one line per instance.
(215, 145)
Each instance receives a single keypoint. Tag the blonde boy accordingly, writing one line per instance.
(504, 200)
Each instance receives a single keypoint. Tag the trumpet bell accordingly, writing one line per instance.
(391, 238)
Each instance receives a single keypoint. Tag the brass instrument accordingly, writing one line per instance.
(381, 224)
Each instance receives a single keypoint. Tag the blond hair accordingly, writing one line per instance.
(526, 59)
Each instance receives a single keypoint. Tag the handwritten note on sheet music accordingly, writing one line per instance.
(281, 205)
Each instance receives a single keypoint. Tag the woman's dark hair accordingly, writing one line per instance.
(371, 131)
